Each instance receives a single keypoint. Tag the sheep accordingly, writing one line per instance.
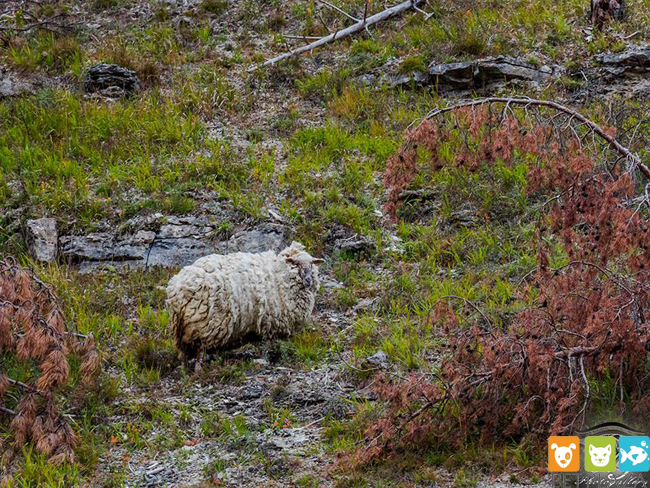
(222, 300)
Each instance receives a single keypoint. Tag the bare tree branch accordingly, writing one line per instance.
(341, 11)
(8, 411)
(527, 102)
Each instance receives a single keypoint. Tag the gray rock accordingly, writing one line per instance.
(417, 78)
(12, 87)
(111, 80)
(481, 73)
(42, 239)
(179, 241)
(635, 59)
(252, 392)
(464, 216)
(267, 237)
(178, 252)
(354, 244)
(289, 440)
(365, 304)
(379, 360)
(104, 246)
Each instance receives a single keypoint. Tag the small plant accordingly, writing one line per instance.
(106, 4)
(413, 64)
(214, 7)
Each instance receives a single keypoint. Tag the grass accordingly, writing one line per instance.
(307, 139)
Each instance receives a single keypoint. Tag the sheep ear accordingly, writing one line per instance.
(317, 261)
(290, 259)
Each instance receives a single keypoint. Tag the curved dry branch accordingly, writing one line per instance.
(528, 102)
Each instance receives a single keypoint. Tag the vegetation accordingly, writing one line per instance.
(575, 323)
(33, 337)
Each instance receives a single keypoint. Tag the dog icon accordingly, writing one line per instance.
(563, 454)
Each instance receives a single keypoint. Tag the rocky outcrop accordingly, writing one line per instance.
(634, 59)
(173, 241)
(42, 239)
(481, 73)
(105, 247)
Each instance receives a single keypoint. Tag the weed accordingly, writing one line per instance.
(214, 7)
(413, 64)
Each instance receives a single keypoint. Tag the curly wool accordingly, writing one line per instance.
(221, 299)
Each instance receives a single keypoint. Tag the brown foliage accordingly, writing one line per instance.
(603, 10)
(587, 323)
(33, 331)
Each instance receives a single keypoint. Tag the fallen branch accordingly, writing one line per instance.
(595, 128)
(7, 411)
(26, 386)
(340, 34)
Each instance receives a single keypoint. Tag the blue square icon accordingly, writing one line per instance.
(633, 453)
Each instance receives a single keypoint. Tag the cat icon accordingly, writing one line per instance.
(601, 452)
(600, 455)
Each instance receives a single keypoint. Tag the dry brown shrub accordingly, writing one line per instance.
(33, 332)
(587, 320)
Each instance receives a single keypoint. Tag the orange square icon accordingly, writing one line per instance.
(563, 454)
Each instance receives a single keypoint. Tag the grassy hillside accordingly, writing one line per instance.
(309, 141)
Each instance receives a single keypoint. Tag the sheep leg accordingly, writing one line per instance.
(190, 353)
(211, 355)
(198, 364)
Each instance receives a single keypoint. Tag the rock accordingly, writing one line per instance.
(178, 252)
(42, 239)
(288, 440)
(104, 246)
(354, 244)
(10, 86)
(635, 59)
(464, 216)
(419, 195)
(181, 241)
(111, 80)
(174, 241)
(267, 237)
(379, 360)
(252, 393)
(481, 73)
(416, 78)
(366, 304)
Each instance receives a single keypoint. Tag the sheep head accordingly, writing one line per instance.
(306, 265)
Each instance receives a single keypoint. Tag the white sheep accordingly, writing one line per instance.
(223, 299)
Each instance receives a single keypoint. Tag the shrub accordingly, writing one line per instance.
(35, 347)
(581, 332)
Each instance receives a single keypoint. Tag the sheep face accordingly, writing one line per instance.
(307, 267)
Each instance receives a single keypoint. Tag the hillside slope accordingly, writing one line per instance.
(212, 155)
